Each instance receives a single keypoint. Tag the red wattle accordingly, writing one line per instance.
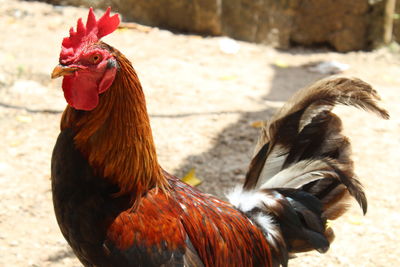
(80, 91)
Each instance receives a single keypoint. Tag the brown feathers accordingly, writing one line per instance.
(116, 136)
(303, 163)
(306, 128)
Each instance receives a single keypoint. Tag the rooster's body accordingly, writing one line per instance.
(163, 229)
(117, 207)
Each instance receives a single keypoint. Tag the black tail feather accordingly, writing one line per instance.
(302, 173)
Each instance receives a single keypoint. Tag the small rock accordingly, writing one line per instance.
(328, 67)
(229, 46)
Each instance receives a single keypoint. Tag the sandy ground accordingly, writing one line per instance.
(202, 103)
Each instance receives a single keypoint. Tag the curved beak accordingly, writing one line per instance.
(61, 70)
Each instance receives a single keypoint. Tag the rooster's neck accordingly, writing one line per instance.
(116, 137)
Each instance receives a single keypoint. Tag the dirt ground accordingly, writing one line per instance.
(202, 103)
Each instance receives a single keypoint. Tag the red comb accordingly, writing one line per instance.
(91, 33)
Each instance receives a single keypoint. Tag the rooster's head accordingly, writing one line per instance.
(88, 66)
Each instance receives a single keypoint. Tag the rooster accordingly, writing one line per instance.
(116, 206)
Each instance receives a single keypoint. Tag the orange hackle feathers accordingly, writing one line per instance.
(116, 136)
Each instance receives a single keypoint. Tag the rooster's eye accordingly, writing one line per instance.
(94, 59)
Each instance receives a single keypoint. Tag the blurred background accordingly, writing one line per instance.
(212, 71)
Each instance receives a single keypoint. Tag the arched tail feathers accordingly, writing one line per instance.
(302, 173)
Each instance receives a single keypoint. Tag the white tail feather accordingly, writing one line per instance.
(273, 164)
(299, 174)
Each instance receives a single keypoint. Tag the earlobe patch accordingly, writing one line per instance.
(108, 78)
